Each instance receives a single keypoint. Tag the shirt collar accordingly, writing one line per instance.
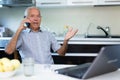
(30, 30)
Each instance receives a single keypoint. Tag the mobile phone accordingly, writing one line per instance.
(27, 24)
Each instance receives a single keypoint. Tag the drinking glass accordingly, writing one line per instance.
(28, 65)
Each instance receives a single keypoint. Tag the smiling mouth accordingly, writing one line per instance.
(35, 24)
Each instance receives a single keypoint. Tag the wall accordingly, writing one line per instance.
(54, 19)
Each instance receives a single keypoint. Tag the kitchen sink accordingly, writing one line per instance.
(102, 36)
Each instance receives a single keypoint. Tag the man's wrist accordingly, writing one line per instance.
(65, 40)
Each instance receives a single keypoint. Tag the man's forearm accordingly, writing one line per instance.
(10, 48)
(63, 48)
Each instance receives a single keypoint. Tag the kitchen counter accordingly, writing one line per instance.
(3, 42)
(45, 74)
(41, 73)
(102, 41)
(74, 40)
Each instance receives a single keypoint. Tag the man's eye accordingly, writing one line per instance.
(31, 15)
(39, 16)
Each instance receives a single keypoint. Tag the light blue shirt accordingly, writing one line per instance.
(37, 45)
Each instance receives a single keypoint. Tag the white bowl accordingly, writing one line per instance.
(7, 74)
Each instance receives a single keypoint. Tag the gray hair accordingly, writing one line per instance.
(28, 9)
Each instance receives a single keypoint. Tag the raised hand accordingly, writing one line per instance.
(71, 32)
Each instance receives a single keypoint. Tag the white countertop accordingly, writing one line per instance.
(77, 39)
(41, 73)
(100, 41)
(80, 40)
(109, 76)
(44, 74)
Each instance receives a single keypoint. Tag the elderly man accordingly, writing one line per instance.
(33, 42)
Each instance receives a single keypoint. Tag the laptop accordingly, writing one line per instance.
(107, 60)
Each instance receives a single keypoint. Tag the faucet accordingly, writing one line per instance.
(87, 31)
(106, 30)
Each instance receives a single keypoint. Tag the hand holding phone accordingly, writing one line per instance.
(27, 24)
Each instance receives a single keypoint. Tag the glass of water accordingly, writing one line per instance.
(28, 65)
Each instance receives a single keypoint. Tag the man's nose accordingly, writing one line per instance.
(36, 18)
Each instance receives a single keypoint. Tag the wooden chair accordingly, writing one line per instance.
(17, 55)
(14, 55)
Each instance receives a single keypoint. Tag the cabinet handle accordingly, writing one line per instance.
(79, 2)
(50, 3)
(78, 54)
(111, 1)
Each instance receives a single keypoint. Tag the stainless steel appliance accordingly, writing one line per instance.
(18, 3)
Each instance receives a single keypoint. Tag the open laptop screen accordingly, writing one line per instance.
(107, 61)
(113, 55)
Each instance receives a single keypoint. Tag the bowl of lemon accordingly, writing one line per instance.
(8, 67)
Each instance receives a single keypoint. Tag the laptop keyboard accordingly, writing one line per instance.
(76, 71)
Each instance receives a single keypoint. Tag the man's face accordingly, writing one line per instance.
(35, 18)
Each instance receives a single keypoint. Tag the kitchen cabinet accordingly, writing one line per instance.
(54, 3)
(78, 54)
(68, 3)
(108, 2)
(93, 2)
(50, 3)
(82, 50)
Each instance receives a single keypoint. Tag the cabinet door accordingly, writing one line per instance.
(112, 1)
(81, 2)
(49, 3)
(109, 2)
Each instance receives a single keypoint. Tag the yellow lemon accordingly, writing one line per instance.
(8, 67)
(15, 63)
(1, 68)
(4, 60)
